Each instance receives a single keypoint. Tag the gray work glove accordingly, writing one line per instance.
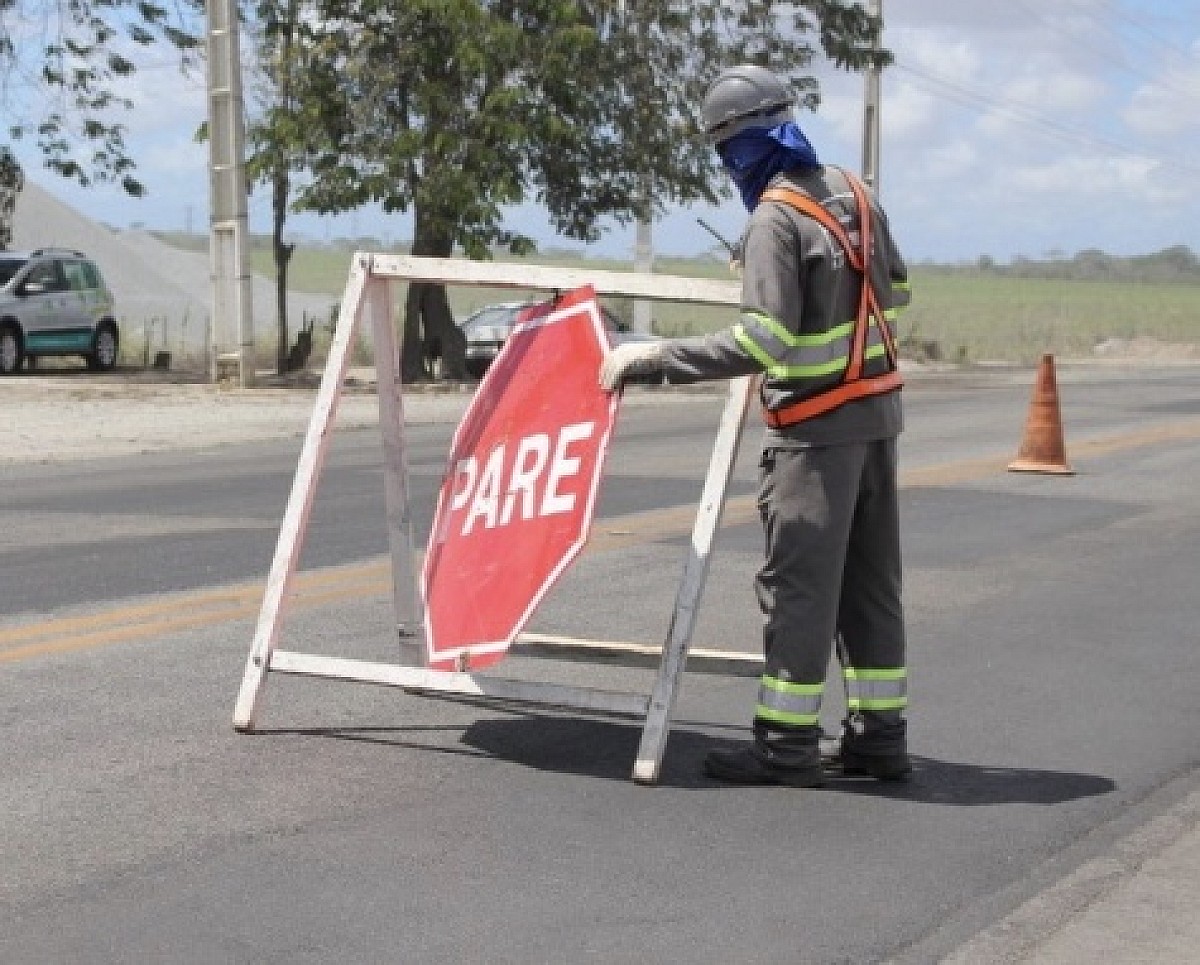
(627, 359)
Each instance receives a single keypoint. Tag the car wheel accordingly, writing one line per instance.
(11, 352)
(104, 349)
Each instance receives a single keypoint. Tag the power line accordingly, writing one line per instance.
(1024, 114)
(1111, 54)
(1014, 110)
(1140, 25)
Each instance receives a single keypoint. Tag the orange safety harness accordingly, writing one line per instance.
(854, 384)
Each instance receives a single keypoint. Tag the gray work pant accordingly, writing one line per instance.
(832, 568)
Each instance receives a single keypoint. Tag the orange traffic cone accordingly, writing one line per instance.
(1042, 448)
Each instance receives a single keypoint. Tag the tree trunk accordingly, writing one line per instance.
(430, 331)
(280, 189)
(283, 255)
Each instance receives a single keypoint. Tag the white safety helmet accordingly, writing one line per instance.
(742, 97)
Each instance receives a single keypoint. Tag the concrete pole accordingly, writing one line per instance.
(232, 328)
(871, 111)
(643, 244)
(643, 261)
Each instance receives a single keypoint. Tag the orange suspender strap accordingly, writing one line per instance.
(789, 415)
(818, 212)
(866, 298)
(854, 386)
(867, 236)
(859, 257)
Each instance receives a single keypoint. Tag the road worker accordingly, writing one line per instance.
(821, 281)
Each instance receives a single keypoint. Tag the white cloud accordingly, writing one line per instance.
(1169, 102)
(909, 113)
(1014, 127)
(1155, 111)
(945, 52)
(952, 160)
(837, 126)
(165, 98)
(1085, 177)
(176, 155)
(1136, 184)
(1036, 137)
(1053, 91)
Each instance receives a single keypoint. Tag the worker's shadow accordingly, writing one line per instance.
(587, 746)
(606, 749)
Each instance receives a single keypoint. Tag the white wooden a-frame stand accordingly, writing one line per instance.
(369, 288)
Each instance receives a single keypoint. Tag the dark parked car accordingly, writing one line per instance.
(488, 328)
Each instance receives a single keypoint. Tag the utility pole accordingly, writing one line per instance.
(643, 261)
(232, 326)
(871, 108)
(643, 245)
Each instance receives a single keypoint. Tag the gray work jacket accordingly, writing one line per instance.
(795, 275)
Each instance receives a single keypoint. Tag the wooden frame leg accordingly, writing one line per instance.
(299, 506)
(691, 585)
(405, 592)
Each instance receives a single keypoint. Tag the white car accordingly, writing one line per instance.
(53, 301)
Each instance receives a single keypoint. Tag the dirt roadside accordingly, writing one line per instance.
(71, 414)
(77, 415)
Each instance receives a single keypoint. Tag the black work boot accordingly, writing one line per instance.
(743, 765)
(875, 750)
(790, 756)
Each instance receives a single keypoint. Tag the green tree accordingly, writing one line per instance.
(1174, 263)
(12, 181)
(276, 137)
(62, 67)
(456, 110)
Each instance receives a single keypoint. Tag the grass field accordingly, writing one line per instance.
(983, 316)
(956, 315)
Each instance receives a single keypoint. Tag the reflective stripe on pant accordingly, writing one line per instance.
(832, 567)
(789, 704)
(879, 689)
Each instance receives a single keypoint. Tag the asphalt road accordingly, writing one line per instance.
(1054, 660)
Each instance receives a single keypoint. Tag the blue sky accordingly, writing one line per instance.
(1016, 129)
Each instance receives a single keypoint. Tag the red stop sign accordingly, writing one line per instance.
(516, 504)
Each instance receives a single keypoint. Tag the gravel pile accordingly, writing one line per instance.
(162, 293)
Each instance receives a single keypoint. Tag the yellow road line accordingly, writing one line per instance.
(1182, 431)
(312, 588)
(183, 611)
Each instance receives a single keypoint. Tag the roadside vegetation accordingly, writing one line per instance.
(454, 112)
(964, 313)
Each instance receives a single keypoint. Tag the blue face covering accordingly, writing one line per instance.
(757, 154)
